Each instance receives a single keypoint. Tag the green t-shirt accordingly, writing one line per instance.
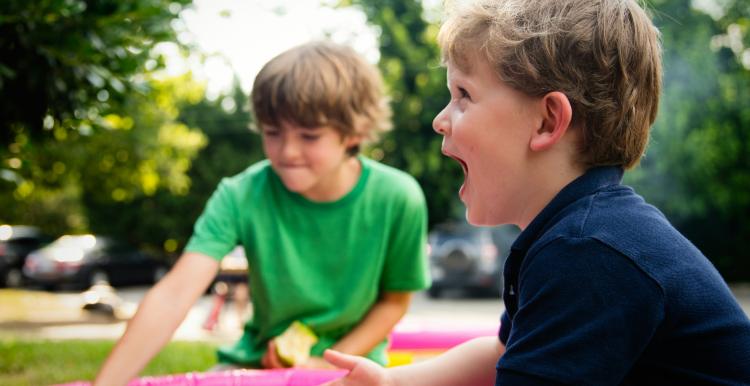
(323, 264)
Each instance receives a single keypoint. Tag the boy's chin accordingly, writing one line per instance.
(479, 219)
(296, 184)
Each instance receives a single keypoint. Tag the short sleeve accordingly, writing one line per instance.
(406, 267)
(585, 314)
(216, 232)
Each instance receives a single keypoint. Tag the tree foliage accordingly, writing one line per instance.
(92, 141)
(162, 215)
(231, 148)
(63, 62)
(697, 169)
(410, 63)
(140, 153)
(141, 163)
(88, 133)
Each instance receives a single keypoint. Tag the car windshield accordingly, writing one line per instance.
(10, 233)
(445, 233)
(82, 242)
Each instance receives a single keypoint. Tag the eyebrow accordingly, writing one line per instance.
(460, 81)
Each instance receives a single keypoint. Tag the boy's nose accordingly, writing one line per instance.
(441, 124)
(289, 149)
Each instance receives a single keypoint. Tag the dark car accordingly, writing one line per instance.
(85, 260)
(16, 241)
(469, 258)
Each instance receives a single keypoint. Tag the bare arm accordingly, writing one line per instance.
(158, 316)
(471, 363)
(376, 325)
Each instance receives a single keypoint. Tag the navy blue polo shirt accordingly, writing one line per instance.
(600, 289)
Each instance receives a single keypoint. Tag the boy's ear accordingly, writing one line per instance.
(353, 140)
(556, 118)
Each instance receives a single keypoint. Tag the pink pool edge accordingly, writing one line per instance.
(284, 377)
(406, 337)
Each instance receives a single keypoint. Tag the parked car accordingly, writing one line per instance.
(469, 258)
(233, 267)
(16, 241)
(85, 260)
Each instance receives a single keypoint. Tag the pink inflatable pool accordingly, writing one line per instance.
(409, 342)
(287, 377)
(408, 336)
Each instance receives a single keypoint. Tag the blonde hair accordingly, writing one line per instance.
(322, 84)
(604, 55)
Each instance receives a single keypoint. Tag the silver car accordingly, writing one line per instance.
(86, 260)
(469, 258)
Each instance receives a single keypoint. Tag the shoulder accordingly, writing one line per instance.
(620, 220)
(254, 173)
(589, 274)
(391, 181)
(583, 259)
(383, 172)
(248, 182)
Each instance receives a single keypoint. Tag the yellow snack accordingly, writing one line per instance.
(293, 346)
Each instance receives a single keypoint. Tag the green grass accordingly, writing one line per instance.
(45, 362)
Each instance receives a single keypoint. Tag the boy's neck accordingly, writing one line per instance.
(551, 175)
(338, 184)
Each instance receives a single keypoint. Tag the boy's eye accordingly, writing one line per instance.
(271, 133)
(463, 93)
(310, 137)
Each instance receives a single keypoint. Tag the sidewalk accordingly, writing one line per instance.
(58, 316)
(44, 315)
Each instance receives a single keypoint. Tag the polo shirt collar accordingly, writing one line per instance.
(593, 180)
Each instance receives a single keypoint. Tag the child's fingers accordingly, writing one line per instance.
(341, 360)
(273, 360)
(265, 362)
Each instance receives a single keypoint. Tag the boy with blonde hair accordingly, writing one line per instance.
(550, 101)
(333, 239)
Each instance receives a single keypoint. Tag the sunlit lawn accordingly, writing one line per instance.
(44, 362)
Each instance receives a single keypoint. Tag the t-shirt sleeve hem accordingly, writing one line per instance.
(204, 250)
(406, 287)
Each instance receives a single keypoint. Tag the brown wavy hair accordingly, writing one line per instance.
(322, 84)
(604, 55)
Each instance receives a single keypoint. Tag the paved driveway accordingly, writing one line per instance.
(60, 316)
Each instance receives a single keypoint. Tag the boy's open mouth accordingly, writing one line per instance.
(460, 162)
(465, 169)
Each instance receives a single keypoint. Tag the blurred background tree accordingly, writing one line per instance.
(697, 168)
(411, 67)
(86, 128)
(94, 139)
(63, 62)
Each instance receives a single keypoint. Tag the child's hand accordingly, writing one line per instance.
(362, 371)
(317, 363)
(270, 359)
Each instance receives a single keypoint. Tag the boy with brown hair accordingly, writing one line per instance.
(334, 240)
(550, 101)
